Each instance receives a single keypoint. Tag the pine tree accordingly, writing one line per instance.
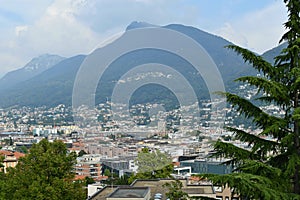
(270, 170)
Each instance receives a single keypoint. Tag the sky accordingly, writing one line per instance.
(30, 28)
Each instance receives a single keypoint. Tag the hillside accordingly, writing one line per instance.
(35, 67)
(53, 85)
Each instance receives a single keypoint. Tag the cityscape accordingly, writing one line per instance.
(150, 100)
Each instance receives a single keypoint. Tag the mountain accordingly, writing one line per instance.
(54, 85)
(51, 87)
(33, 68)
(272, 53)
(137, 24)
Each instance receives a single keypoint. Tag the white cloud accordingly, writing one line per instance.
(228, 32)
(70, 27)
(20, 29)
(259, 30)
(57, 31)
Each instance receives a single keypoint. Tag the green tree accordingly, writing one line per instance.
(88, 180)
(81, 153)
(107, 172)
(44, 173)
(175, 191)
(2, 179)
(152, 165)
(22, 149)
(1, 163)
(270, 170)
(152, 161)
(123, 180)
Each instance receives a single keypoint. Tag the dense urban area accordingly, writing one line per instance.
(241, 142)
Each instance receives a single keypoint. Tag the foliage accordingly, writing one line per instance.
(22, 149)
(164, 172)
(1, 163)
(81, 153)
(152, 165)
(44, 173)
(152, 161)
(89, 180)
(271, 168)
(107, 172)
(114, 179)
(123, 180)
(175, 190)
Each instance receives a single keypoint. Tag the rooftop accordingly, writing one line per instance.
(130, 192)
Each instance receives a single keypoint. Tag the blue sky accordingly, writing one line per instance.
(69, 27)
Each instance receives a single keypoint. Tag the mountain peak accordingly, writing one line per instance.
(45, 61)
(53, 86)
(138, 24)
(33, 68)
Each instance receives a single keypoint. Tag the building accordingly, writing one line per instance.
(89, 165)
(133, 193)
(213, 166)
(182, 171)
(93, 188)
(193, 190)
(120, 165)
(106, 150)
(148, 189)
(10, 158)
(224, 193)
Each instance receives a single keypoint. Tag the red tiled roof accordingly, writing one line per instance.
(6, 153)
(79, 177)
(19, 154)
(11, 153)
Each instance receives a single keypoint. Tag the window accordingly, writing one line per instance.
(218, 188)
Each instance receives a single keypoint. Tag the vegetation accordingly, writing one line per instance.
(152, 165)
(89, 180)
(175, 190)
(271, 169)
(114, 179)
(44, 173)
(152, 161)
(81, 153)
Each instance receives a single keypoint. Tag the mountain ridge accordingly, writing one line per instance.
(33, 68)
(54, 85)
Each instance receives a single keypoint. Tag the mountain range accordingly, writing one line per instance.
(48, 79)
(30, 70)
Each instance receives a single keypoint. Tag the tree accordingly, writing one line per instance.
(22, 149)
(152, 165)
(175, 191)
(152, 161)
(81, 153)
(44, 173)
(89, 180)
(270, 170)
(107, 172)
(2, 178)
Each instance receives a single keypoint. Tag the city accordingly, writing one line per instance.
(150, 100)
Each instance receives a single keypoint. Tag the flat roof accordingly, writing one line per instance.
(130, 192)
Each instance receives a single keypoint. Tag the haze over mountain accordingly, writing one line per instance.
(48, 80)
(33, 68)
